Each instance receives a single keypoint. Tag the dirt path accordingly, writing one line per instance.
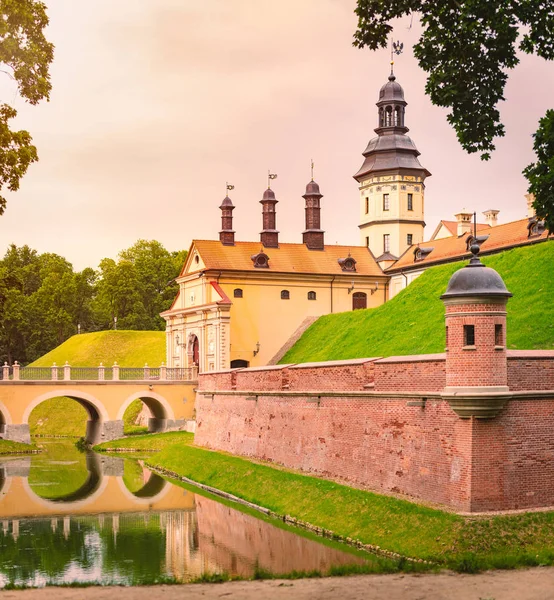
(532, 584)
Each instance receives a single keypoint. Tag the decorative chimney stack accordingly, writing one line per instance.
(530, 209)
(464, 222)
(313, 236)
(491, 217)
(269, 236)
(227, 235)
(476, 363)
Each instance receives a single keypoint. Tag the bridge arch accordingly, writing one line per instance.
(159, 407)
(92, 405)
(5, 419)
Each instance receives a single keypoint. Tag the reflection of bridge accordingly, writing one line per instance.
(168, 394)
(104, 491)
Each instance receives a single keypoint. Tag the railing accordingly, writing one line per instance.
(101, 373)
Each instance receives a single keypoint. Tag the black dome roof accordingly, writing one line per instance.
(476, 280)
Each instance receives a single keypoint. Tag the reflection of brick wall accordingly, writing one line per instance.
(237, 542)
(382, 443)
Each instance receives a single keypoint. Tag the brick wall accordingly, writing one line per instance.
(425, 373)
(377, 440)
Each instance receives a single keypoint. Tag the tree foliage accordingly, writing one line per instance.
(43, 300)
(25, 56)
(541, 173)
(466, 48)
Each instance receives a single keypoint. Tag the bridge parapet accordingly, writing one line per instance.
(101, 373)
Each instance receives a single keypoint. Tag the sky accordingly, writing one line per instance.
(156, 104)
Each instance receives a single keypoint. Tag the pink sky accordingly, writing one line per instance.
(157, 103)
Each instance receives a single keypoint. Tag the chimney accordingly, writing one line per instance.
(530, 210)
(464, 222)
(269, 236)
(491, 217)
(313, 236)
(227, 235)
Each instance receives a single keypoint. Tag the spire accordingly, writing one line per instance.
(313, 236)
(227, 235)
(269, 236)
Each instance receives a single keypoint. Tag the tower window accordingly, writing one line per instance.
(386, 242)
(366, 205)
(367, 241)
(409, 239)
(385, 202)
(312, 296)
(237, 293)
(469, 335)
(285, 295)
(498, 341)
(410, 202)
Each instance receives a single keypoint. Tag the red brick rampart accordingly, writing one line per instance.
(382, 424)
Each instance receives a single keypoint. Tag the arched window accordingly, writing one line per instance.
(239, 363)
(381, 117)
(389, 116)
(312, 296)
(397, 115)
(237, 293)
(285, 295)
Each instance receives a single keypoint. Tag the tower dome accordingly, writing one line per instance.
(392, 91)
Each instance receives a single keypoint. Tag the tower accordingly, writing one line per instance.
(313, 234)
(269, 236)
(476, 361)
(391, 182)
(227, 235)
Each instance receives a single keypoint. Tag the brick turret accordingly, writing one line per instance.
(476, 364)
(313, 236)
(269, 236)
(227, 235)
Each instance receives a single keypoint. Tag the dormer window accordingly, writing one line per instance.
(260, 260)
(479, 240)
(536, 227)
(347, 264)
(422, 253)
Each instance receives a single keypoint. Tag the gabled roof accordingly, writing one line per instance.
(453, 248)
(287, 258)
(452, 226)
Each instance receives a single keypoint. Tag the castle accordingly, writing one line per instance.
(243, 304)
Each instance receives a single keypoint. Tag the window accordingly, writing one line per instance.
(196, 259)
(359, 300)
(237, 293)
(385, 202)
(498, 341)
(409, 239)
(347, 264)
(386, 242)
(285, 295)
(239, 363)
(312, 296)
(366, 205)
(410, 202)
(260, 260)
(367, 241)
(469, 335)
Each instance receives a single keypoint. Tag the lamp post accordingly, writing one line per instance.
(115, 323)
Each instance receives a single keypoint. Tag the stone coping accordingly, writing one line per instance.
(412, 358)
(267, 368)
(530, 354)
(334, 363)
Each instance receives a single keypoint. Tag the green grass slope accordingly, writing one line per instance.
(413, 321)
(64, 416)
(127, 348)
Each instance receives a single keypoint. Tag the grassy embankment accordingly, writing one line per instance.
(413, 321)
(8, 447)
(64, 416)
(412, 530)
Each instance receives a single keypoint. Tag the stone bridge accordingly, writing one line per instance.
(105, 393)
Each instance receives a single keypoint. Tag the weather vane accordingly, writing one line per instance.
(312, 167)
(270, 176)
(395, 48)
(229, 186)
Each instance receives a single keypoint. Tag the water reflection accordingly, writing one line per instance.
(95, 518)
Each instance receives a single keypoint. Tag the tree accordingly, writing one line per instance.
(541, 173)
(25, 55)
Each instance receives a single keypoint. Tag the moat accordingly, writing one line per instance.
(68, 516)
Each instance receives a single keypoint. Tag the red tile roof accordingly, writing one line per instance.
(452, 226)
(287, 258)
(448, 249)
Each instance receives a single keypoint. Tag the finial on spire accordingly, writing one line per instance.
(395, 48)
(229, 187)
(270, 176)
(312, 167)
